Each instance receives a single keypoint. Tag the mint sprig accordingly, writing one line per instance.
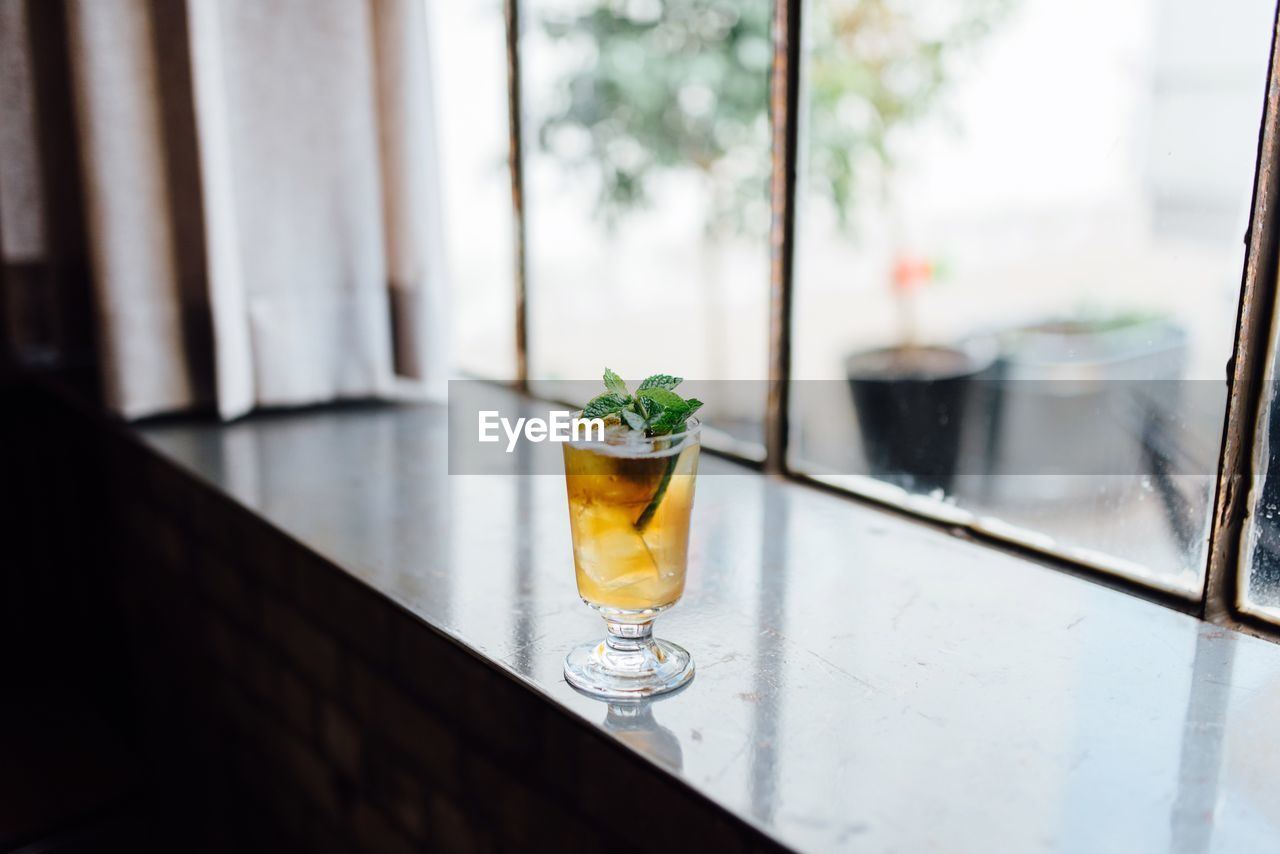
(656, 410)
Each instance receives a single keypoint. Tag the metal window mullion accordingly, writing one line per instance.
(515, 157)
(784, 93)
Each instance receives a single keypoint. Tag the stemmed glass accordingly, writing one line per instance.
(629, 507)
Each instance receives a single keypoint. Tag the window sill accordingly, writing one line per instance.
(863, 681)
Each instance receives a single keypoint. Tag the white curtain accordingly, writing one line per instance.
(259, 198)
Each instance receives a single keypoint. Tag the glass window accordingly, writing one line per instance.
(1019, 251)
(646, 157)
(1259, 588)
(469, 64)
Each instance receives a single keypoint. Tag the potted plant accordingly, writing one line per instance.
(912, 400)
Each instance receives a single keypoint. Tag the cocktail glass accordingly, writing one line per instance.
(630, 499)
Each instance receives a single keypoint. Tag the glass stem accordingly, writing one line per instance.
(628, 637)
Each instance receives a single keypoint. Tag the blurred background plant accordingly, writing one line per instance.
(661, 85)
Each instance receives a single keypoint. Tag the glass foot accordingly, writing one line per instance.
(621, 667)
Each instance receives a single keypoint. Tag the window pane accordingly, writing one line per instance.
(1018, 262)
(647, 169)
(1260, 551)
(469, 62)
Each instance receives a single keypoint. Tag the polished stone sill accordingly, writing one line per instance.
(864, 682)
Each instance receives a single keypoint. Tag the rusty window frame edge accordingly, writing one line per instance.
(1246, 387)
(515, 163)
(784, 122)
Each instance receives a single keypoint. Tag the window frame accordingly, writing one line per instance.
(1219, 600)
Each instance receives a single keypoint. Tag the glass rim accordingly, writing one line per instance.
(693, 429)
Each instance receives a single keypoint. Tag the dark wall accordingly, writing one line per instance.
(72, 776)
(54, 580)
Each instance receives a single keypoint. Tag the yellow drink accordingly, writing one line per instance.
(630, 552)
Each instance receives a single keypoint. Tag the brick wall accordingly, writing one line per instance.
(291, 707)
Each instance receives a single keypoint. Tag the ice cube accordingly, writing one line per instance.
(610, 549)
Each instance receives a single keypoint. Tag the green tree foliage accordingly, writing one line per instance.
(666, 84)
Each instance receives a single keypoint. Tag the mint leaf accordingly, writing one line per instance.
(672, 419)
(634, 420)
(614, 383)
(669, 421)
(661, 396)
(602, 405)
(663, 381)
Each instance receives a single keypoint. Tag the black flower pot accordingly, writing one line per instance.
(911, 405)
